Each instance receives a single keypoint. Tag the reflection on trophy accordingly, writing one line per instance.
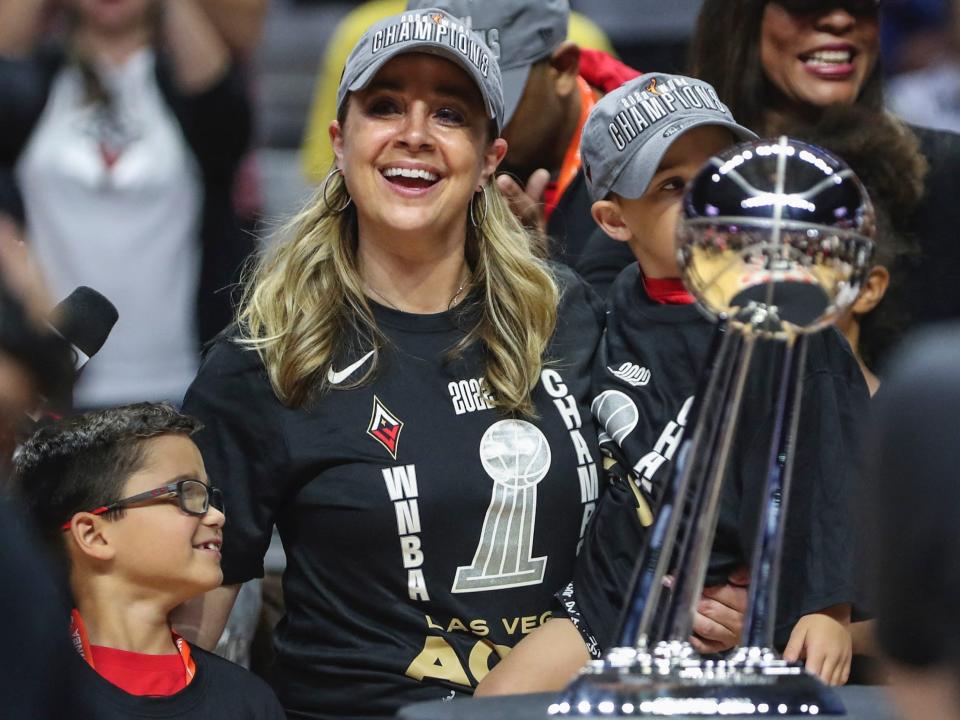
(774, 242)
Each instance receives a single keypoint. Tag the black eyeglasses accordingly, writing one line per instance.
(193, 497)
(859, 8)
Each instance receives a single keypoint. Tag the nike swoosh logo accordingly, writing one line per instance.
(335, 377)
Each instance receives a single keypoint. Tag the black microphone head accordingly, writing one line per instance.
(85, 318)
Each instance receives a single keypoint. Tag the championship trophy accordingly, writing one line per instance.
(774, 241)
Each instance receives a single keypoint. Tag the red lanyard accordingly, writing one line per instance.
(81, 643)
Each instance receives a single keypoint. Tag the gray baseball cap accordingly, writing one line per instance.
(520, 32)
(629, 130)
(432, 31)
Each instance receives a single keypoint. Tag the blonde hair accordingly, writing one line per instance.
(304, 297)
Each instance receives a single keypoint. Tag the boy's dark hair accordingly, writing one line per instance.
(886, 156)
(725, 51)
(83, 462)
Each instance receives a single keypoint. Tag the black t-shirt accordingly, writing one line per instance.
(425, 532)
(220, 690)
(603, 259)
(571, 223)
(647, 372)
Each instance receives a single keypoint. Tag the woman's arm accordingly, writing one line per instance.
(202, 619)
(239, 22)
(546, 660)
(21, 24)
(200, 55)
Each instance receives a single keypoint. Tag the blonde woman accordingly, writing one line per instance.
(404, 396)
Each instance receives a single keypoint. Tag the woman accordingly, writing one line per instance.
(404, 396)
(785, 61)
(124, 154)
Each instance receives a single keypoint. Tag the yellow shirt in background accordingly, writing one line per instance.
(317, 155)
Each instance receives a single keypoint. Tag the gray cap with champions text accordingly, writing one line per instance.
(520, 33)
(432, 31)
(630, 130)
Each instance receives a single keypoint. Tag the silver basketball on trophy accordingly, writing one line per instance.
(777, 224)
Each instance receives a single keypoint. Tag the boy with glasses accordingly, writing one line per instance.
(122, 501)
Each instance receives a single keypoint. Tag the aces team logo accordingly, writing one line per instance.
(385, 427)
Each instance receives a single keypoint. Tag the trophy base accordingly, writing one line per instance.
(696, 687)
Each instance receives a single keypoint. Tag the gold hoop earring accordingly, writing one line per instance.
(483, 216)
(323, 193)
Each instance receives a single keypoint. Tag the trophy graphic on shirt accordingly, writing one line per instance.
(774, 242)
(516, 455)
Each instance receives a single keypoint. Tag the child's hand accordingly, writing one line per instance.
(823, 639)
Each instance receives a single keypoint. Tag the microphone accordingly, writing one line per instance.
(84, 319)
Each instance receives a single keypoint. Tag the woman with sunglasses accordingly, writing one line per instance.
(782, 63)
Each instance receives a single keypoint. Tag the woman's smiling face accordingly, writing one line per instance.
(414, 147)
(819, 57)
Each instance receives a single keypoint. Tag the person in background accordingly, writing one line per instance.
(779, 62)
(930, 95)
(35, 363)
(124, 137)
(915, 572)
(885, 156)
(239, 23)
(400, 329)
(915, 34)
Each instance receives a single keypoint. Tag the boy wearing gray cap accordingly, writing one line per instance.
(641, 145)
